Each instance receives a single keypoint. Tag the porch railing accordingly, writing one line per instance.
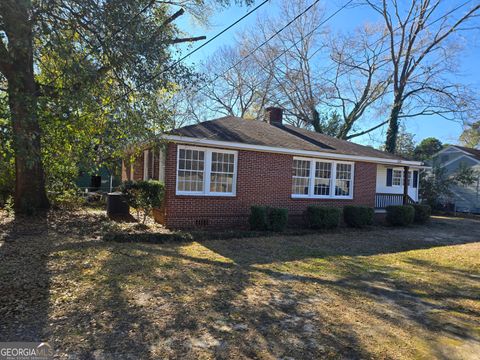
(383, 200)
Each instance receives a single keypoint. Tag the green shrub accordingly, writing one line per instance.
(267, 218)
(277, 219)
(258, 218)
(422, 213)
(322, 217)
(143, 196)
(358, 216)
(67, 199)
(400, 215)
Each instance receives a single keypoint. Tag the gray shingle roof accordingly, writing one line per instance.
(234, 129)
(474, 152)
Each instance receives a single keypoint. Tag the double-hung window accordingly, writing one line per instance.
(205, 171)
(323, 176)
(301, 177)
(397, 178)
(343, 179)
(314, 178)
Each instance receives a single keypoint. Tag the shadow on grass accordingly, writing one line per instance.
(24, 279)
(235, 298)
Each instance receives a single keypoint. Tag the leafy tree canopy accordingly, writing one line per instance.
(426, 148)
(471, 135)
(84, 79)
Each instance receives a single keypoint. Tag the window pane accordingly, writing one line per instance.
(301, 168)
(343, 179)
(190, 170)
(222, 172)
(301, 177)
(342, 188)
(300, 186)
(397, 177)
(323, 173)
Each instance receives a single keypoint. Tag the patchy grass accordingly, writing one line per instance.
(380, 293)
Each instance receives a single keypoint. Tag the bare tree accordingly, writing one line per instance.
(359, 79)
(232, 87)
(288, 58)
(423, 50)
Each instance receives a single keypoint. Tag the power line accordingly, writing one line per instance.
(351, 57)
(323, 22)
(153, 77)
(185, 56)
(398, 42)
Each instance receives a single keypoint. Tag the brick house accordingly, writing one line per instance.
(216, 170)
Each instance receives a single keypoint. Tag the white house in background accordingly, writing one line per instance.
(452, 158)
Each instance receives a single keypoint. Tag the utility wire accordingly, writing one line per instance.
(323, 22)
(398, 42)
(153, 77)
(182, 58)
(351, 57)
(128, 92)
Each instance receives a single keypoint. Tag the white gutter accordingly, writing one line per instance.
(280, 150)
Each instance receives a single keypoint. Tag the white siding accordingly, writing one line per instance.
(382, 183)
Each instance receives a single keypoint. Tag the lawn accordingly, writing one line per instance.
(380, 293)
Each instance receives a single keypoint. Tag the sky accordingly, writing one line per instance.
(346, 20)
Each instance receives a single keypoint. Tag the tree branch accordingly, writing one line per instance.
(173, 17)
(367, 131)
(182, 40)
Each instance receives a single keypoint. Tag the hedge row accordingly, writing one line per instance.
(263, 218)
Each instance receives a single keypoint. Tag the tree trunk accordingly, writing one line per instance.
(30, 193)
(317, 126)
(393, 124)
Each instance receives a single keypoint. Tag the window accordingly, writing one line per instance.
(301, 177)
(221, 178)
(191, 164)
(323, 174)
(322, 179)
(203, 171)
(397, 178)
(343, 179)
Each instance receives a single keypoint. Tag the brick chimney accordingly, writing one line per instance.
(274, 115)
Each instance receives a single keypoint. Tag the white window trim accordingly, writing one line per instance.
(145, 165)
(207, 169)
(333, 179)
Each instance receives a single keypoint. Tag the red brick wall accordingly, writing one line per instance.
(262, 179)
(137, 169)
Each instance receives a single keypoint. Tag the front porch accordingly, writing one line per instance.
(396, 186)
(382, 200)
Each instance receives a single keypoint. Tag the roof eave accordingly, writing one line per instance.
(297, 152)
